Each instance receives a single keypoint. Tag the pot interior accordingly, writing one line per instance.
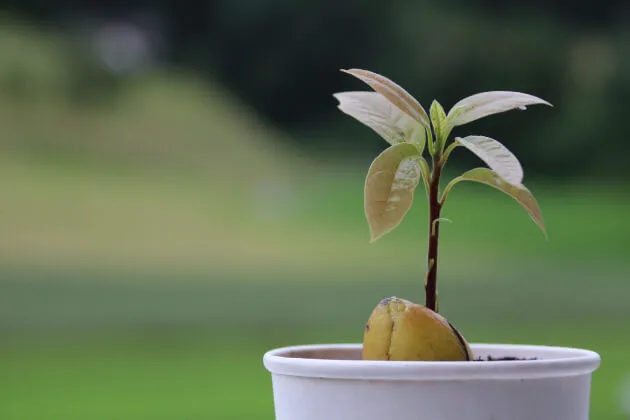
(325, 353)
(345, 361)
(481, 352)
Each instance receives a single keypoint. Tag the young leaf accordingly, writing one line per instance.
(376, 112)
(438, 118)
(488, 103)
(418, 137)
(430, 142)
(496, 156)
(449, 150)
(518, 192)
(425, 172)
(394, 93)
(389, 187)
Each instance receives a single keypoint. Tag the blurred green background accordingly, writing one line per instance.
(179, 193)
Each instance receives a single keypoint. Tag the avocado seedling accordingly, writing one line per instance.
(412, 362)
(399, 329)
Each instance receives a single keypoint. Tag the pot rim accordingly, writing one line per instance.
(552, 361)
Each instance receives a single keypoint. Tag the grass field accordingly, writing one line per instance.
(190, 377)
(123, 297)
(116, 351)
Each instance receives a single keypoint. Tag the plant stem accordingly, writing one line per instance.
(435, 207)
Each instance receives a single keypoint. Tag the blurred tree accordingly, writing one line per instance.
(283, 57)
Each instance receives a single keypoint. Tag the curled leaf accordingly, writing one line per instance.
(430, 142)
(375, 111)
(425, 172)
(389, 188)
(488, 103)
(438, 119)
(394, 93)
(449, 150)
(518, 192)
(496, 156)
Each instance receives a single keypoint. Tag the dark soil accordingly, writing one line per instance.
(502, 359)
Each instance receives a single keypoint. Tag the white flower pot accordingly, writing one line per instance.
(331, 382)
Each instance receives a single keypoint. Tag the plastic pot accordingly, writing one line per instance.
(331, 382)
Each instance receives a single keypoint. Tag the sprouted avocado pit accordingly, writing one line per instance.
(399, 329)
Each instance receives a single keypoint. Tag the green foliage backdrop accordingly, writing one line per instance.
(282, 57)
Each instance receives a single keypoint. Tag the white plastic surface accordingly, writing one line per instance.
(330, 382)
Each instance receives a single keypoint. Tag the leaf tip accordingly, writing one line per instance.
(374, 236)
(540, 223)
(541, 101)
(544, 102)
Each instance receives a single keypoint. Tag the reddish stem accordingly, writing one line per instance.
(435, 207)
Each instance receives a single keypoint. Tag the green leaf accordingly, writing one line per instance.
(438, 119)
(389, 188)
(518, 192)
(394, 93)
(425, 172)
(419, 138)
(375, 111)
(430, 142)
(488, 103)
(449, 150)
(496, 156)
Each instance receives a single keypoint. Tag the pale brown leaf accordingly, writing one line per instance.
(488, 103)
(375, 111)
(389, 188)
(496, 156)
(394, 93)
(519, 193)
